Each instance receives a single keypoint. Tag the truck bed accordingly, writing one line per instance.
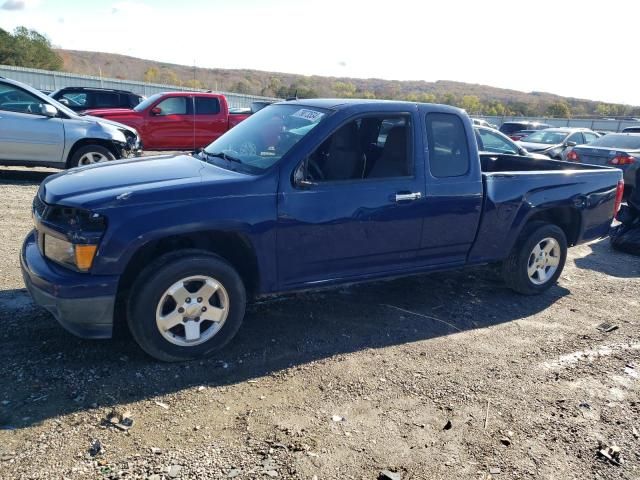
(492, 163)
(518, 187)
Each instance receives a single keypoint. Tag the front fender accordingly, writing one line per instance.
(131, 228)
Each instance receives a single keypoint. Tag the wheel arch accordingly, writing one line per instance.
(233, 247)
(109, 145)
(566, 217)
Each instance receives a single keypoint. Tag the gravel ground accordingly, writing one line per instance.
(445, 376)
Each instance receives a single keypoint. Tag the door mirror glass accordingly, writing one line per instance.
(571, 144)
(48, 110)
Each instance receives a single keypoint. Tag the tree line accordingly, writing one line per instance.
(28, 48)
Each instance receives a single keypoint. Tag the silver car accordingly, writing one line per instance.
(36, 130)
(492, 141)
(556, 143)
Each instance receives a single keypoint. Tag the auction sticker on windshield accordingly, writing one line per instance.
(311, 115)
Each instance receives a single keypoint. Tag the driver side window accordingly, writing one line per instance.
(366, 148)
(173, 106)
(13, 99)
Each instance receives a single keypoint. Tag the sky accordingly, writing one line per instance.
(568, 47)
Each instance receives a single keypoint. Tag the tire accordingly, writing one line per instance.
(153, 308)
(517, 267)
(90, 154)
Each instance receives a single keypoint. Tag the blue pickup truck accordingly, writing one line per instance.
(302, 195)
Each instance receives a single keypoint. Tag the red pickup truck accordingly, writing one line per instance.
(176, 120)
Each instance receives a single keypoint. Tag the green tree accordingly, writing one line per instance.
(28, 48)
(344, 89)
(241, 86)
(471, 104)
(559, 110)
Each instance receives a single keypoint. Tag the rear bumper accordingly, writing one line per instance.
(83, 304)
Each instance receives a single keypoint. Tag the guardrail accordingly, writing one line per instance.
(50, 80)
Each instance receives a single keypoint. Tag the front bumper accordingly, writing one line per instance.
(82, 303)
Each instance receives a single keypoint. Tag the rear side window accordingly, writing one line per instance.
(207, 106)
(508, 128)
(106, 100)
(75, 99)
(590, 137)
(448, 148)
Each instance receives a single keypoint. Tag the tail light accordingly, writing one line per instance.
(573, 156)
(619, 193)
(622, 159)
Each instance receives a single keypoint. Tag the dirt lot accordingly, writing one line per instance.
(447, 376)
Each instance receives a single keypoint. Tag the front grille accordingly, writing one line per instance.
(39, 206)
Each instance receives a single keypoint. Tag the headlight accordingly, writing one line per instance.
(81, 231)
(79, 257)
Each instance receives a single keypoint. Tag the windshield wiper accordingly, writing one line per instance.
(222, 155)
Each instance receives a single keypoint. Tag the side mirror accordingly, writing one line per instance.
(523, 152)
(571, 144)
(48, 110)
(64, 101)
(156, 111)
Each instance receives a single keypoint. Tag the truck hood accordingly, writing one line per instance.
(110, 112)
(133, 181)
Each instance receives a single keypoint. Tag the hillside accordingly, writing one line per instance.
(477, 99)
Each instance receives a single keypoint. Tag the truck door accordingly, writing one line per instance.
(26, 134)
(354, 206)
(454, 190)
(170, 124)
(209, 119)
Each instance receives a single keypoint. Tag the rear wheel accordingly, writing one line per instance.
(186, 305)
(89, 155)
(537, 259)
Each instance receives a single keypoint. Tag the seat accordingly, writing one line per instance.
(393, 160)
(343, 157)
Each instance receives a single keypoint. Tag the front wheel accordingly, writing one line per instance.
(89, 155)
(537, 259)
(186, 305)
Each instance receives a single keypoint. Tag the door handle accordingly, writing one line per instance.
(408, 197)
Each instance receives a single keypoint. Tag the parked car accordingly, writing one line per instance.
(36, 130)
(634, 129)
(303, 194)
(177, 120)
(517, 136)
(620, 150)
(481, 122)
(511, 128)
(556, 142)
(80, 99)
(491, 142)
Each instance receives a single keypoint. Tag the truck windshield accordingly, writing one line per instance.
(265, 137)
(145, 103)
